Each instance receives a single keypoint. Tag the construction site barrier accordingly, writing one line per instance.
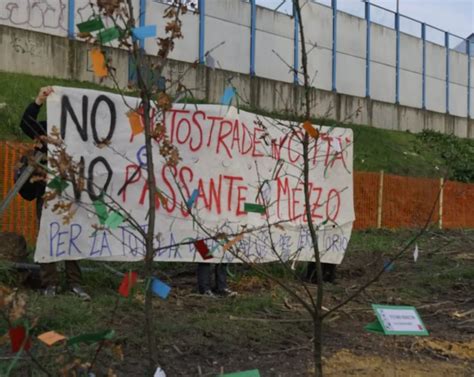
(381, 200)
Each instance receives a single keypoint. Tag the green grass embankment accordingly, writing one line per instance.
(402, 153)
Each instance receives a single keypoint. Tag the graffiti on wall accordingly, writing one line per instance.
(44, 15)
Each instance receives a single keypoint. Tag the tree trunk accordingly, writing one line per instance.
(317, 344)
(314, 238)
(149, 241)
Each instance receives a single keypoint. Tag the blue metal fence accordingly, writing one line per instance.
(253, 35)
(70, 18)
(368, 7)
(202, 30)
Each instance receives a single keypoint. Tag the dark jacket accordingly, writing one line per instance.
(32, 128)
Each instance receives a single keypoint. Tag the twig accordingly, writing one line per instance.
(233, 318)
(285, 350)
(101, 345)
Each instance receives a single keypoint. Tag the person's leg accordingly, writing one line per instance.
(221, 281)
(221, 277)
(49, 278)
(204, 277)
(73, 273)
(74, 279)
(329, 272)
(311, 272)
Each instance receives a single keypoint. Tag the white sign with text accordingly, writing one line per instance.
(230, 157)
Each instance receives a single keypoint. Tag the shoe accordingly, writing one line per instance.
(226, 292)
(50, 291)
(208, 294)
(79, 292)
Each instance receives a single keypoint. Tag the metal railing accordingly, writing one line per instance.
(369, 8)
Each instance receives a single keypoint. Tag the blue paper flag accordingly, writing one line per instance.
(387, 266)
(229, 94)
(192, 198)
(160, 289)
(143, 32)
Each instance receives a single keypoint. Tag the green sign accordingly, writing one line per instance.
(397, 320)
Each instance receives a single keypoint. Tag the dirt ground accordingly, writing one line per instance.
(265, 329)
(436, 285)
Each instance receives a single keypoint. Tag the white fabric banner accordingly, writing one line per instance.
(230, 157)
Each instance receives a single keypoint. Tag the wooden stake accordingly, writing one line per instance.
(441, 194)
(380, 202)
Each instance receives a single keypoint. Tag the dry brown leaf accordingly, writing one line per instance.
(4, 293)
(84, 35)
(103, 143)
(117, 351)
(4, 339)
(18, 307)
(278, 226)
(164, 101)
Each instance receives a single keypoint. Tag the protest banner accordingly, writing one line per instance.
(235, 160)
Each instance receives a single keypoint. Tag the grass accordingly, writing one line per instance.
(439, 270)
(17, 91)
(395, 152)
(203, 328)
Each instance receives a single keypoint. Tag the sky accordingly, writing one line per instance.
(455, 16)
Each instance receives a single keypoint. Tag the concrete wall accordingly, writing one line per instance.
(351, 56)
(154, 15)
(458, 83)
(435, 77)
(319, 35)
(411, 66)
(59, 57)
(274, 36)
(47, 17)
(227, 21)
(383, 63)
(227, 25)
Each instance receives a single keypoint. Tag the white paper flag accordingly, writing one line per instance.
(159, 373)
(415, 253)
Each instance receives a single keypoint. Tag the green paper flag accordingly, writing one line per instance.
(101, 211)
(114, 220)
(58, 184)
(247, 373)
(91, 338)
(250, 207)
(108, 35)
(91, 25)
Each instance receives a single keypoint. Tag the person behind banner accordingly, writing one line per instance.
(204, 280)
(35, 189)
(328, 271)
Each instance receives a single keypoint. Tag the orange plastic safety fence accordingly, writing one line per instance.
(366, 187)
(409, 202)
(20, 216)
(458, 205)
